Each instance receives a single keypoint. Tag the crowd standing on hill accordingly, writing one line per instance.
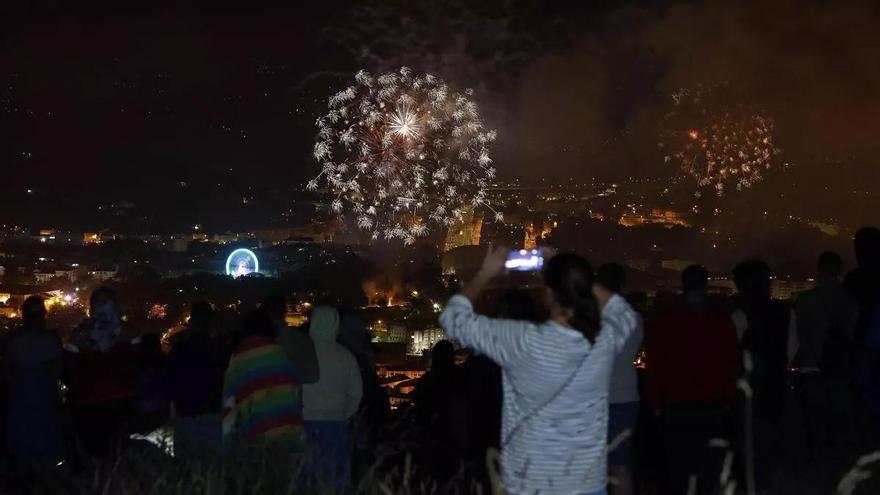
(727, 388)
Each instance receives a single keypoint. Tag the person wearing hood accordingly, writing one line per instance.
(331, 402)
(375, 408)
(296, 343)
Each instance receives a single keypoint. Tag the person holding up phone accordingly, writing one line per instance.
(556, 376)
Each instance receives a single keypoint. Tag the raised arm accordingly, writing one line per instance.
(504, 341)
(624, 322)
(492, 265)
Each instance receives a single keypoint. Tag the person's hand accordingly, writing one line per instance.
(493, 263)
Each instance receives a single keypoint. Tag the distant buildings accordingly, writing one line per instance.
(722, 285)
(397, 372)
(531, 237)
(667, 218)
(313, 232)
(43, 277)
(225, 238)
(93, 238)
(537, 228)
(465, 232)
(789, 289)
(12, 297)
(425, 339)
(782, 289)
(676, 265)
(418, 337)
(103, 273)
(71, 274)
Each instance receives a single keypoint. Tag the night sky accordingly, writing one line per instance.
(100, 105)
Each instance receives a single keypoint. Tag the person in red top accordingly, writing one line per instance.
(691, 383)
(101, 370)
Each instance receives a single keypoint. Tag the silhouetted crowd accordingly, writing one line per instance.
(568, 387)
(263, 385)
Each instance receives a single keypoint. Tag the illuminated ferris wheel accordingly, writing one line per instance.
(242, 262)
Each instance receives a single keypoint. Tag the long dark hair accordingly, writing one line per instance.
(570, 277)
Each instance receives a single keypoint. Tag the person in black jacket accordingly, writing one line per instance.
(193, 378)
(764, 326)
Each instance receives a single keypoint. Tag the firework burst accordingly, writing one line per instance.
(399, 150)
(721, 145)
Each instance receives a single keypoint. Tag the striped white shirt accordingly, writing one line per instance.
(555, 414)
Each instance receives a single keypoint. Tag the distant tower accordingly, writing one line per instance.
(461, 232)
(531, 237)
(477, 228)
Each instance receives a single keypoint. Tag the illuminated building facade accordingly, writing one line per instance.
(668, 218)
(424, 339)
(465, 232)
(103, 273)
(531, 237)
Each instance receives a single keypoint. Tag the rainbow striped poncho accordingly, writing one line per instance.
(262, 397)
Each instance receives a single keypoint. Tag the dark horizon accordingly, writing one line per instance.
(193, 105)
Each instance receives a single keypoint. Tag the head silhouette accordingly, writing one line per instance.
(830, 266)
(201, 316)
(101, 296)
(33, 313)
(867, 247)
(694, 279)
(353, 333)
(443, 356)
(258, 324)
(752, 278)
(324, 324)
(150, 347)
(569, 279)
(275, 305)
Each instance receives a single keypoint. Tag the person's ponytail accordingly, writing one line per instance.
(570, 277)
(586, 317)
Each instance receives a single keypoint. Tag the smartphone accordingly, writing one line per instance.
(524, 260)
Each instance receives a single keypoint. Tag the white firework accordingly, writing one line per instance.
(401, 149)
(404, 122)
